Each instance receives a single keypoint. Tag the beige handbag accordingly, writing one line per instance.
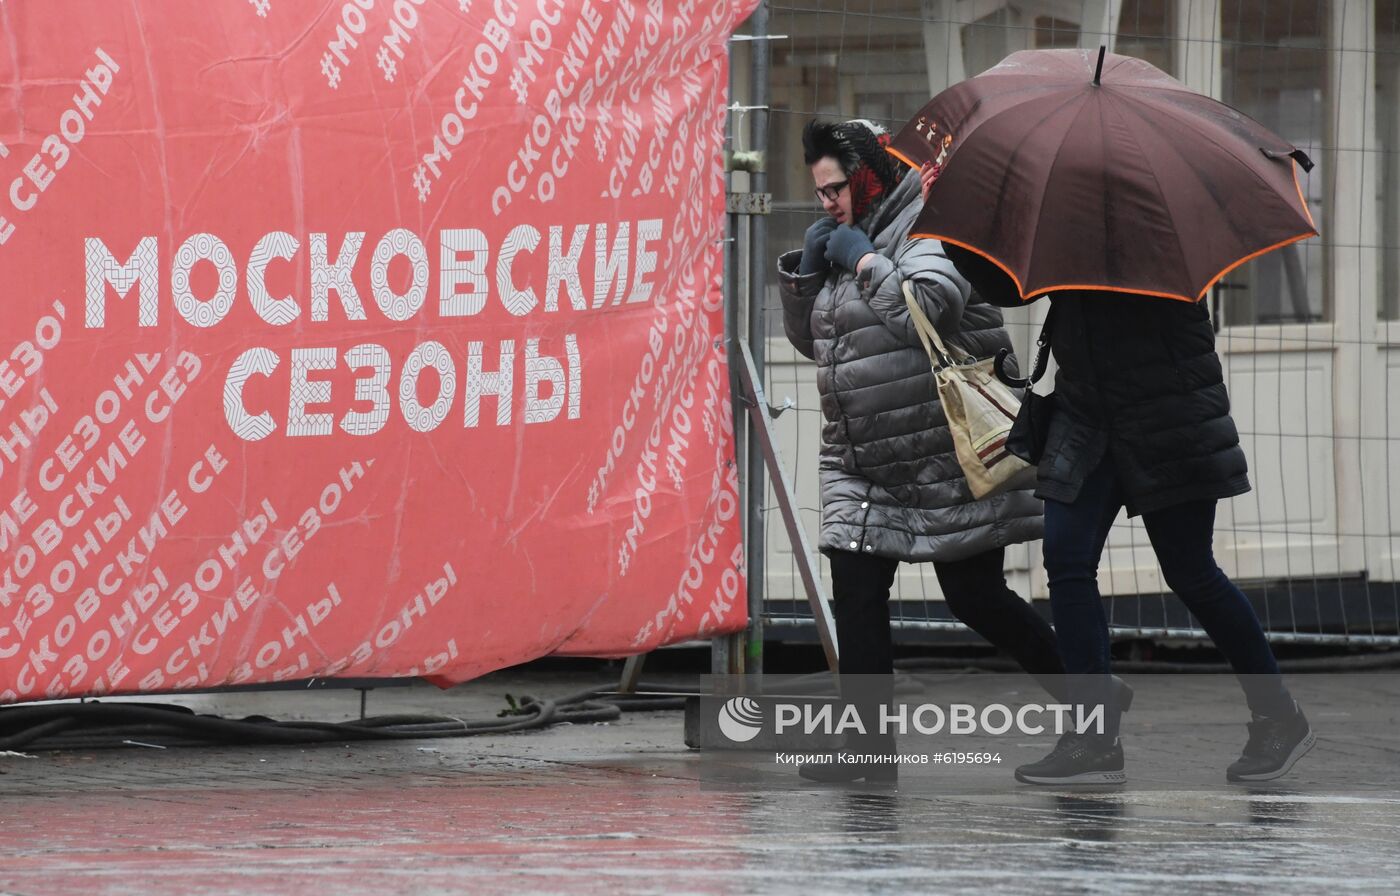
(980, 409)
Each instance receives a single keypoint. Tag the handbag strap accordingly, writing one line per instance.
(933, 343)
(1042, 346)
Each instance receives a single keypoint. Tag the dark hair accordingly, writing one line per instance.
(851, 144)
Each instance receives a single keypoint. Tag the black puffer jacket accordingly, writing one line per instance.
(891, 485)
(1138, 377)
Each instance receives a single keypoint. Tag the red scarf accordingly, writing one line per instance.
(866, 190)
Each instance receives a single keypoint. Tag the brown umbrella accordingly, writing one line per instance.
(1071, 172)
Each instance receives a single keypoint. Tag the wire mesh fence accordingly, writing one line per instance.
(1309, 335)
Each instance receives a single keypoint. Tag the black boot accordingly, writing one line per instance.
(1122, 693)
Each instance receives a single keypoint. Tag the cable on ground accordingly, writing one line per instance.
(99, 725)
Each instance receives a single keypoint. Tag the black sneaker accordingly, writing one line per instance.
(842, 769)
(1077, 759)
(1275, 743)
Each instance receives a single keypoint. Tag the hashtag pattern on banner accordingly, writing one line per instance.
(400, 356)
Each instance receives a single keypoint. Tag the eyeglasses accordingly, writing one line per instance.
(831, 191)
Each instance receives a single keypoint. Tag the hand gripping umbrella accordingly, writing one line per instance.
(1069, 174)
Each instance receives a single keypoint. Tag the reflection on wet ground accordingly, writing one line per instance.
(626, 807)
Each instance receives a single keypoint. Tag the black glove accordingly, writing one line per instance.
(814, 247)
(847, 246)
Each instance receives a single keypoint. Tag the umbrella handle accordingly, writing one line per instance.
(999, 366)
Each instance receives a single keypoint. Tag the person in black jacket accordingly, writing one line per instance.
(1141, 421)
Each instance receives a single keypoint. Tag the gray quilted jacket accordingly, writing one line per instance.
(890, 481)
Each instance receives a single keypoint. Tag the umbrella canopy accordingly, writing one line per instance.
(1076, 169)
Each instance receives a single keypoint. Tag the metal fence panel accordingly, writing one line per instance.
(1310, 337)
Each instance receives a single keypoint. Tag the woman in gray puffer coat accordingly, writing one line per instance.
(891, 486)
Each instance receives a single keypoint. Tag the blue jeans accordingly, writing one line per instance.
(1181, 538)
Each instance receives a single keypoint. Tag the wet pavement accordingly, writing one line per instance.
(626, 807)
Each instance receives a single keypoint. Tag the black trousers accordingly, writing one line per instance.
(976, 592)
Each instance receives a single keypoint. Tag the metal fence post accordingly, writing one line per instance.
(758, 280)
(724, 649)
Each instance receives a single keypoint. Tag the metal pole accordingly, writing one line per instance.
(759, 264)
(721, 647)
(787, 506)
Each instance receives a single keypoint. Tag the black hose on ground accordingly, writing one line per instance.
(95, 725)
(98, 725)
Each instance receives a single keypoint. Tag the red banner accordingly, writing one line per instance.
(359, 338)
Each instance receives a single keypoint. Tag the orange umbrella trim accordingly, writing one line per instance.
(1099, 288)
(1303, 200)
(996, 261)
(901, 156)
(1253, 255)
